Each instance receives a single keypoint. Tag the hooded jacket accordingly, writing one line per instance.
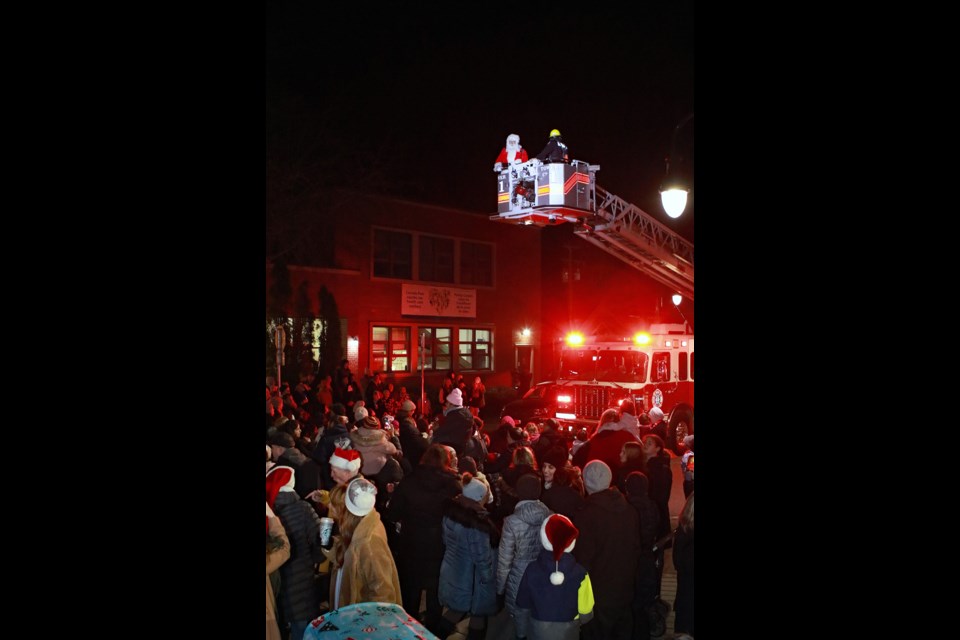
(468, 578)
(519, 546)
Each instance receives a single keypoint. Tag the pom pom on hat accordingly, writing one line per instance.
(455, 398)
(475, 490)
(361, 496)
(346, 459)
(557, 534)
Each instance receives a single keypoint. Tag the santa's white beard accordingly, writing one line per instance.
(511, 155)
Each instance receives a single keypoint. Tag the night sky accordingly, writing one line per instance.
(416, 100)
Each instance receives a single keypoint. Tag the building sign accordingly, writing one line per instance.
(426, 300)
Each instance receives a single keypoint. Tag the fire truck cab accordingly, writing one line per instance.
(655, 368)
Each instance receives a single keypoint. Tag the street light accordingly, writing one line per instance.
(676, 185)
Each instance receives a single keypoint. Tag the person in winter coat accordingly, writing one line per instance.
(362, 568)
(411, 440)
(417, 508)
(374, 446)
(456, 425)
(278, 552)
(555, 150)
(299, 593)
(555, 588)
(683, 562)
(648, 580)
(631, 459)
(478, 396)
(550, 438)
(605, 444)
(468, 574)
(628, 418)
(661, 479)
(560, 493)
(512, 153)
(519, 546)
(609, 548)
(335, 436)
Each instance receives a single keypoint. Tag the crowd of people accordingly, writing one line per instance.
(427, 505)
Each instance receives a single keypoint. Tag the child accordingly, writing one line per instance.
(555, 588)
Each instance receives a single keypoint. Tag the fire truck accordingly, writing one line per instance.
(595, 373)
(655, 368)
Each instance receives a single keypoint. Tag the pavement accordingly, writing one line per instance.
(500, 627)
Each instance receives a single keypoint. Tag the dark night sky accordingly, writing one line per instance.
(424, 98)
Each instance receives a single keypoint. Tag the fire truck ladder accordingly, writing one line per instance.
(629, 233)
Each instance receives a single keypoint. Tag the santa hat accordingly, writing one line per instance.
(361, 496)
(455, 398)
(279, 478)
(558, 534)
(346, 459)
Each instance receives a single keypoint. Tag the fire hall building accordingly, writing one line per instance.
(418, 284)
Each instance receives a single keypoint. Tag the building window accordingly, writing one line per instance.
(476, 263)
(392, 254)
(474, 349)
(390, 349)
(660, 372)
(683, 365)
(436, 348)
(436, 259)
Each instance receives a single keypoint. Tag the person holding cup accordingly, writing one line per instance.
(362, 566)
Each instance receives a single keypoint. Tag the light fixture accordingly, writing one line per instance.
(677, 299)
(676, 184)
(525, 333)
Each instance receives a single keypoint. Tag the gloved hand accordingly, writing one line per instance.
(501, 601)
(270, 513)
(498, 167)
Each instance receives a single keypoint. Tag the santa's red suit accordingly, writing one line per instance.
(510, 154)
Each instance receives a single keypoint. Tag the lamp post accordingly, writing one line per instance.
(675, 185)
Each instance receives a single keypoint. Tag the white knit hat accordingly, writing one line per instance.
(655, 414)
(557, 534)
(455, 398)
(361, 496)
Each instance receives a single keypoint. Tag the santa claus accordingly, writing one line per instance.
(513, 153)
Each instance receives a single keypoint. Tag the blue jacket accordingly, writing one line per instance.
(548, 601)
(468, 573)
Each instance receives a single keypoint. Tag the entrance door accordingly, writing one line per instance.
(523, 367)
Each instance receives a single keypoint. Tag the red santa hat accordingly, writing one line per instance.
(558, 534)
(279, 478)
(346, 459)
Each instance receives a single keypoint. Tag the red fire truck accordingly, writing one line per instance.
(655, 368)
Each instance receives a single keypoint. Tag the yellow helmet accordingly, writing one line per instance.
(555, 133)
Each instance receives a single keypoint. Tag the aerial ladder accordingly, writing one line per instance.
(532, 193)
